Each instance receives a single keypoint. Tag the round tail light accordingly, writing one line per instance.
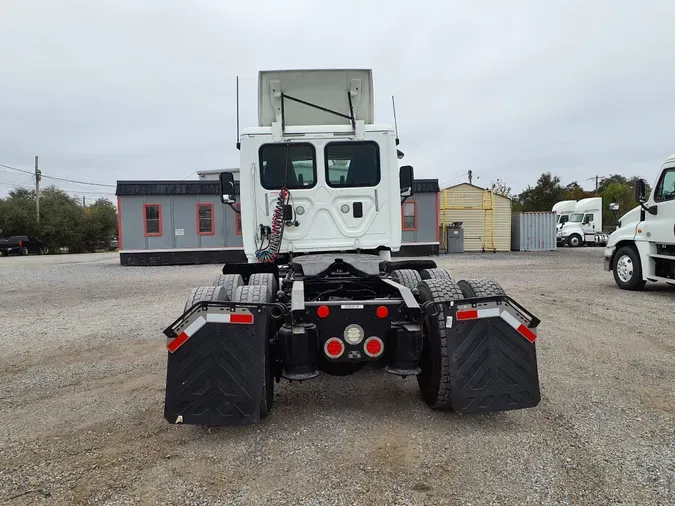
(382, 312)
(334, 347)
(373, 346)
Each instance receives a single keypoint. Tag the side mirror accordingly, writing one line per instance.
(227, 192)
(640, 191)
(613, 206)
(406, 178)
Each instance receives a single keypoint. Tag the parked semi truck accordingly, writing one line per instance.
(584, 225)
(643, 246)
(320, 196)
(563, 210)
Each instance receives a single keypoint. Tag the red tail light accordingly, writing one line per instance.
(20, 244)
(373, 346)
(334, 347)
(322, 311)
(382, 312)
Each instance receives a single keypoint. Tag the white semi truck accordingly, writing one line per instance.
(563, 210)
(584, 225)
(321, 191)
(643, 246)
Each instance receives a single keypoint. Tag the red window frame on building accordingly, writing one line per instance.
(145, 220)
(213, 218)
(408, 229)
(237, 219)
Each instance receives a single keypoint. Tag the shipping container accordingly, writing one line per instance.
(533, 231)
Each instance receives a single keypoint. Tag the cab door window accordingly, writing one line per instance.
(665, 189)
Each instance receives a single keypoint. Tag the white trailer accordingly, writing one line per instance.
(584, 225)
(643, 246)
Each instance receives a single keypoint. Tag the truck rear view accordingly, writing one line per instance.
(320, 199)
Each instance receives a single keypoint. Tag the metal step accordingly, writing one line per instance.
(663, 257)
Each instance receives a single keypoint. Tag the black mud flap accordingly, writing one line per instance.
(493, 361)
(216, 366)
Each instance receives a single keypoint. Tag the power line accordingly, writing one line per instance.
(60, 178)
(14, 168)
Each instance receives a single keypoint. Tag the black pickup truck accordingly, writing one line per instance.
(20, 244)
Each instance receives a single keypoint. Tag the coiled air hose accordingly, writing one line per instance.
(271, 252)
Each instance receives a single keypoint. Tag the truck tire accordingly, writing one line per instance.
(255, 294)
(434, 379)
(438, 273)
(574, 241)
(229, 282)
(204, 293)
(628, 269)
(264, 278)
(480, 288)
(407, 277)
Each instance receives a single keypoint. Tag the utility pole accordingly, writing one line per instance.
(596, 183)
(37, 189)
(470, 176)
(83, 204)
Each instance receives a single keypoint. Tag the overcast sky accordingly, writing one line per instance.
(133, 89)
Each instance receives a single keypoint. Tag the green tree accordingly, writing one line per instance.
(64, 223)
(541, 197)
(500, 188)
(100, 223)
(61, 221)
(611, 179)
(576, 192)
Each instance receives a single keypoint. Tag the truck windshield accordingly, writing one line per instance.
(576, 217)
(290, 165)
(352, 164)
(563, 218)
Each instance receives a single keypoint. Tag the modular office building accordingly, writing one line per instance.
(184, 222)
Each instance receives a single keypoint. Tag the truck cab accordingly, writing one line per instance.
(584, 225)
(319, 164)
(643, 246)
(563, 210)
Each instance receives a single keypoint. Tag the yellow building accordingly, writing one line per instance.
(486, 217)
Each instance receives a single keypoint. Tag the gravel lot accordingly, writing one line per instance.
(83, 368)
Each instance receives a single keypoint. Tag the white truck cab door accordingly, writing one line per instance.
(660, 228)
(588, 223)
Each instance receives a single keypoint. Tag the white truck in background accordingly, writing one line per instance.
(643, 246)
(584, 225)
(563, 210)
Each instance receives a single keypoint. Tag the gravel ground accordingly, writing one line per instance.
(82, 370)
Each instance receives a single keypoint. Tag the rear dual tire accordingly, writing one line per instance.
(480, 288)
(434, 378)
(411, 278)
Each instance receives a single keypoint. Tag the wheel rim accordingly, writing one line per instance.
(624, 268)
(574, 241)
